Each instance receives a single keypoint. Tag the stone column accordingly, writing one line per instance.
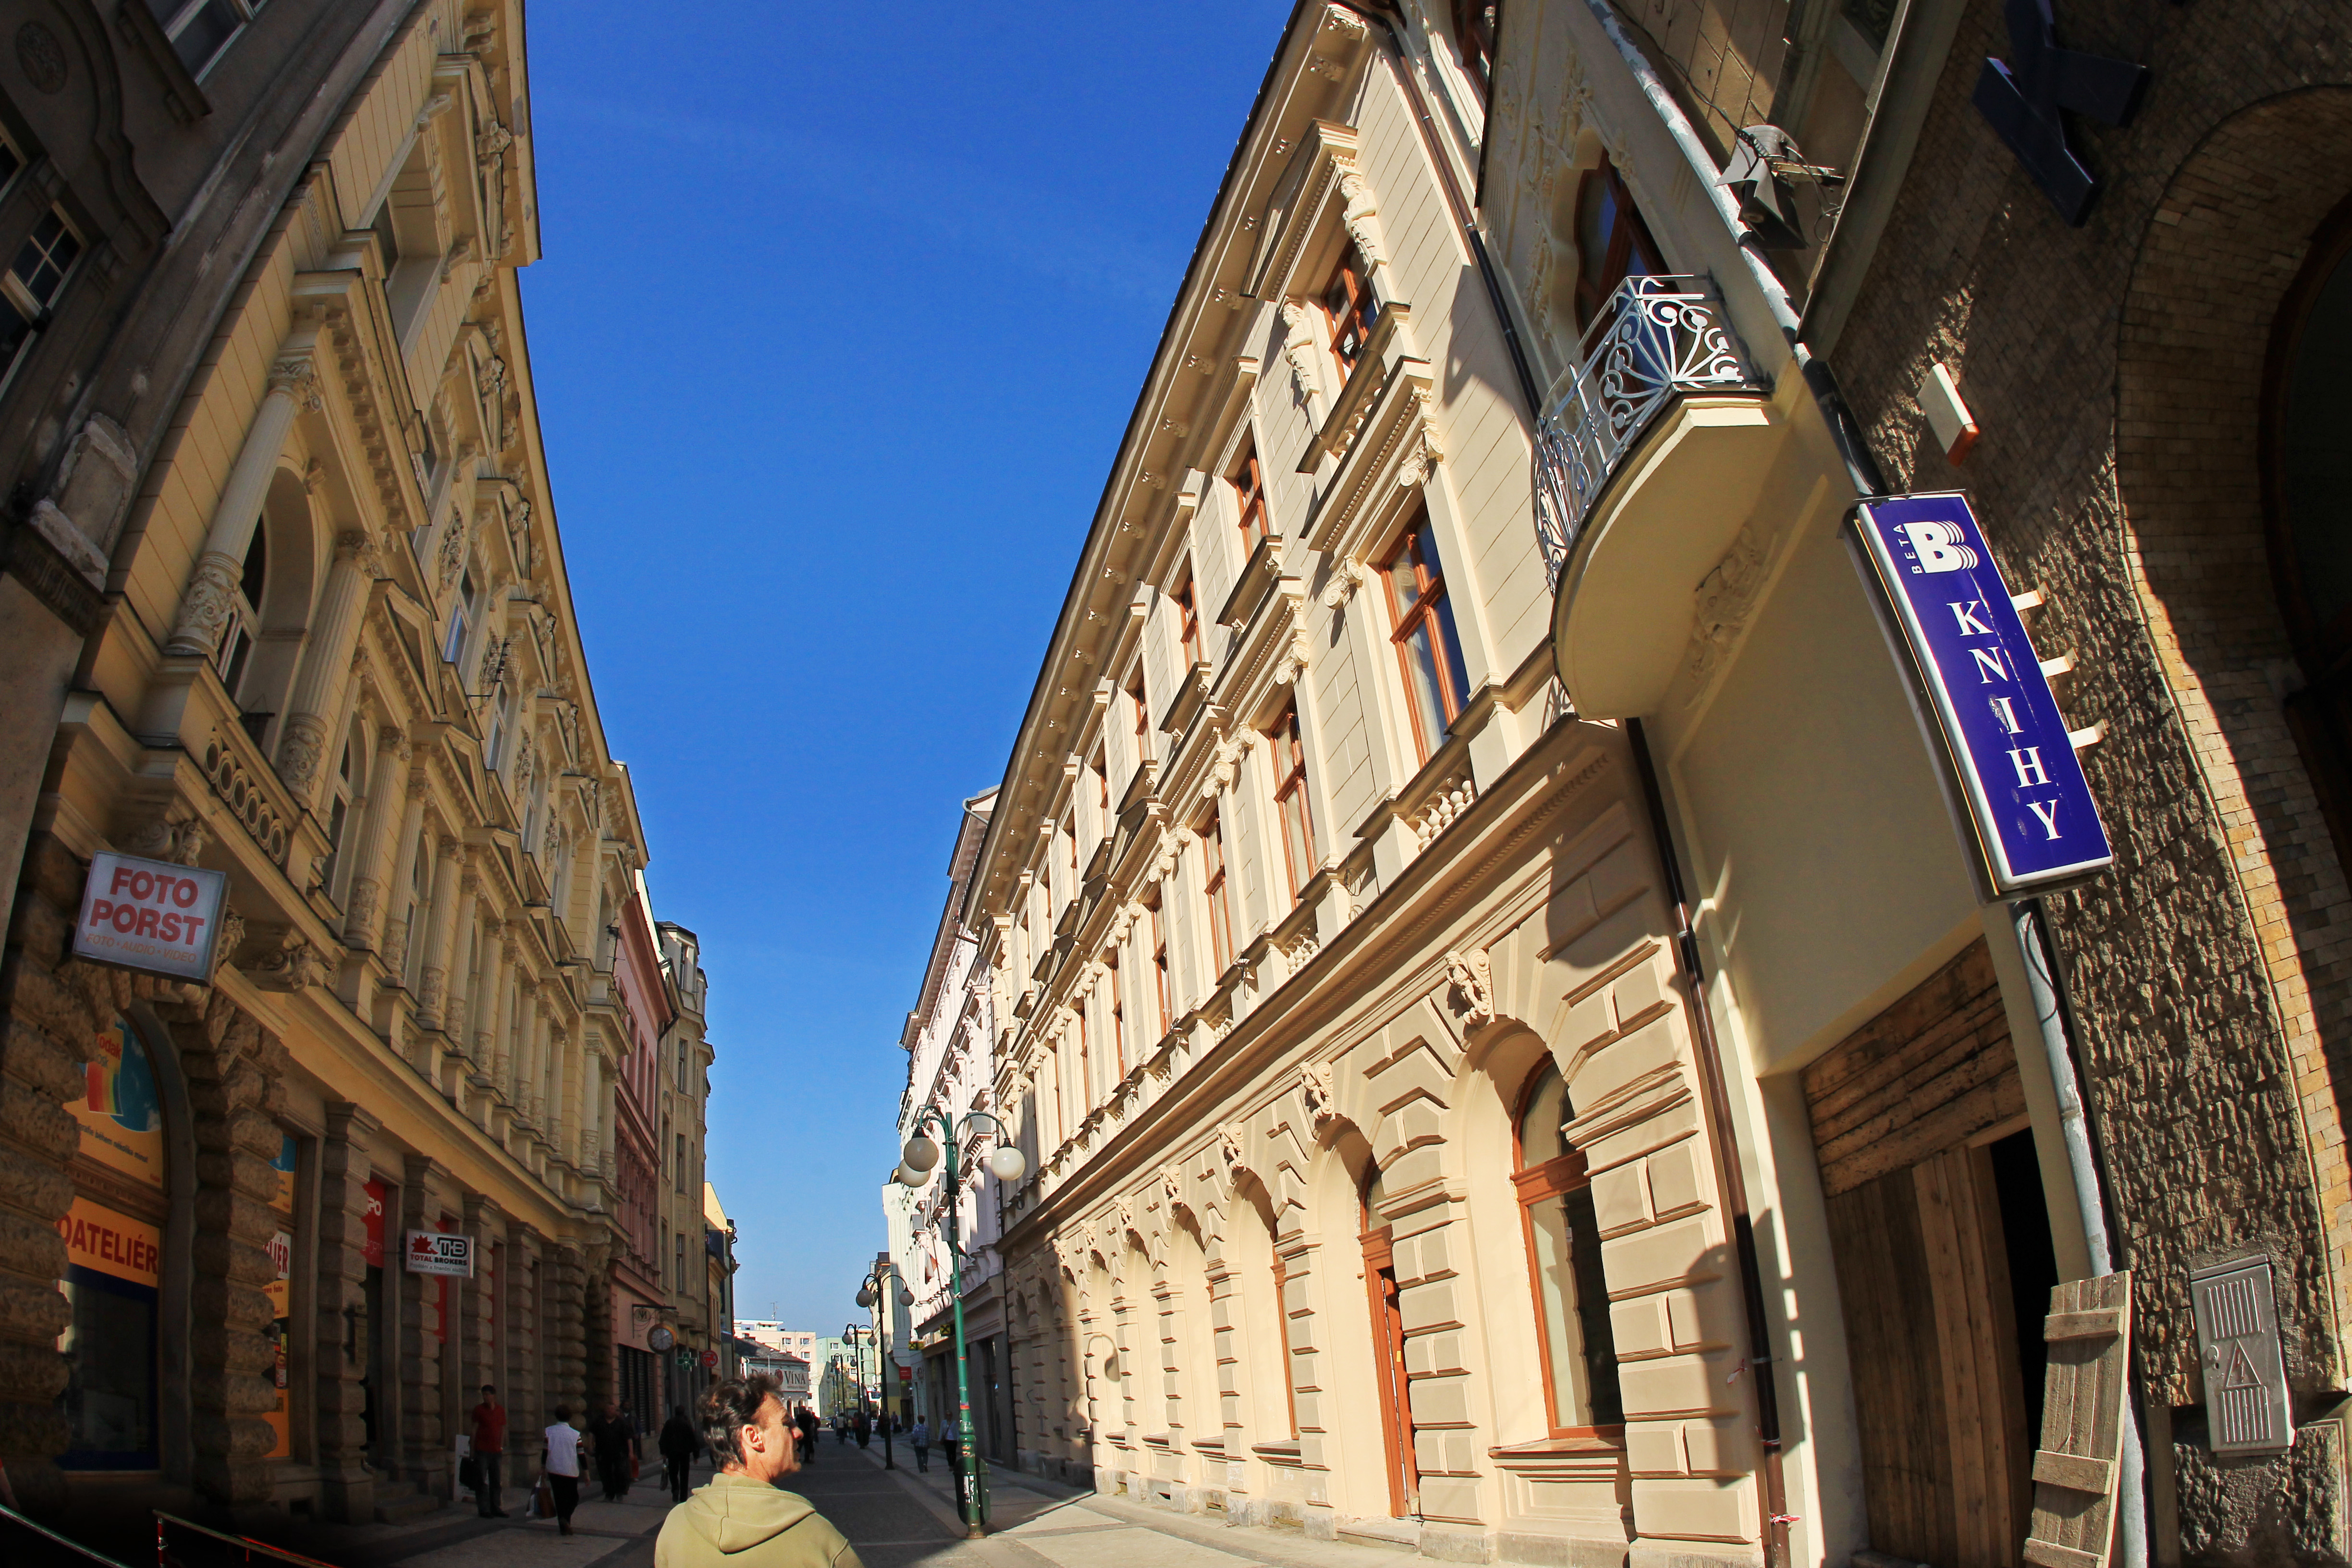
(332, 636)
(404, 867)
(204, 607)
(478, 1357)
(432, 975)
(502, 1033)
(347, 1486)
(569, 1339)
(527, 1406)
(487, 992)
(235, 1072)
(424, 1444)
(384, 804)
(458, 1012)
(527, 1051)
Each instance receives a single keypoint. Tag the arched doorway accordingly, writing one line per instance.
(114, 1235)
(1391, 1381)
(2306, 492)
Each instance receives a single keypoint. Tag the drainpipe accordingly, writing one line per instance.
(1714, 1097)
(2049, 1013)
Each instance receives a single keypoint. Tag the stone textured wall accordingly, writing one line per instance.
(2115, 372)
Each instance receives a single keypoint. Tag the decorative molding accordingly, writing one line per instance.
(1471, 976)
(1723, 602)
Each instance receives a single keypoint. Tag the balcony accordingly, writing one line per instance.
(1645, 469)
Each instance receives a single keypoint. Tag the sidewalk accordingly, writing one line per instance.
(1037, 1524)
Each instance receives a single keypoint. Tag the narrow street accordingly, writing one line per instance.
(895, 1518)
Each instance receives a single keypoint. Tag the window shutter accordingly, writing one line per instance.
(1179, 905)
(1159, 656)
(1216, 541)
(1119, 744)
(2083, 1407)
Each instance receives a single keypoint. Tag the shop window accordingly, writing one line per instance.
(1427, 645)
(1613, 243)
(280, 1290)
(1563, 1240)
(1290, 800)
(1351, 307)
(113, 1231)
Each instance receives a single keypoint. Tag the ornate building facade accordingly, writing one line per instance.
(1520, 1049)
(335, 663)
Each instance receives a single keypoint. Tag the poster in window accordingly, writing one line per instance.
(373, 1249)
(280, 1292)
(113, 1265)
(122, 1115)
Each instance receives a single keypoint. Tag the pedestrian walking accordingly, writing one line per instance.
(679, 1444)
(840, 1430)
(488, 1446)
(921, 1437)
(614, 1440)
(742, 1518)
(805, 1424)
(862, 1427)
(951, 1439)
(561, 1461)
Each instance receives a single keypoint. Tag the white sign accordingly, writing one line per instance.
(439, 1252)
(151, 915)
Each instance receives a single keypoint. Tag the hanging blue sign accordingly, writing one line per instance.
(2035, 820)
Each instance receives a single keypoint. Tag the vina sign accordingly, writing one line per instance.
(2036, 824)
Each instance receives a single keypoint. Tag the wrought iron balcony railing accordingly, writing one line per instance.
(1657, 339)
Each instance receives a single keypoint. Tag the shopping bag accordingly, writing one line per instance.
(633, 1464)
(469, 1474)
(542, 1501)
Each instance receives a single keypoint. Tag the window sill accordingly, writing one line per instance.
(1590, 1440)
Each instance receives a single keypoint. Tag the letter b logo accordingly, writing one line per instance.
(1938, 546)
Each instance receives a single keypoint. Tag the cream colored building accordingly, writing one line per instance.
(340, 666)
(1520, 1052)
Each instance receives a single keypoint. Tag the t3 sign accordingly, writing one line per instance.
(2036, 824)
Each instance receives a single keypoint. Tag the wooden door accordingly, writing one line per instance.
(1904, 1114)
(1395, 1389)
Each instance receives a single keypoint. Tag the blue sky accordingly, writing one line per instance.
(837, 332)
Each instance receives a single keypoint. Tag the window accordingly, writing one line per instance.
(1165, 1020)
(1290, 799)
(1213, 882)
(1427, 644)
(1141, 715)
(1613, 244)
(1101, 766)
(1189, 622)
(1348, 302)
(235, 651)
(336, 814)
(1473, 39)
(420, 895)
(461, 615)
(38, 277)
(201, 29)
(680, 1242)
(1117, 1013)
(1086, 1076)
(1249, 497)
(681, 1161)
(494, 744)
(1563, 1238)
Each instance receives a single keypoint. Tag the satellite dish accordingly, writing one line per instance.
(660, 1338)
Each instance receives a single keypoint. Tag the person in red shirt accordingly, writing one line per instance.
(489, 1447)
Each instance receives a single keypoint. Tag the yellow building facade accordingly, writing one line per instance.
(338, 666)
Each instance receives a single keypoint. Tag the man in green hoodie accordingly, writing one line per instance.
(741, 1518)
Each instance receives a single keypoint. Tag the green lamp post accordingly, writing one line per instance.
(1006, 1164)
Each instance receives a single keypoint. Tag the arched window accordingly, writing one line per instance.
(2306, 468)
(1580, 1357)
(338, 817)
(234, 654)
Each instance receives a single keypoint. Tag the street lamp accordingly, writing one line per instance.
(873, 1291)
(1006, 1164)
